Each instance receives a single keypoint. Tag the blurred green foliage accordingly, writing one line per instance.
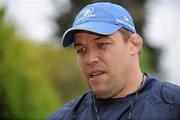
(37, 79)
(25, 89)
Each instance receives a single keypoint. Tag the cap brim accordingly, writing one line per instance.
(95, 27)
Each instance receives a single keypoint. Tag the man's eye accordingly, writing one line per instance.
(103, 44)
(81, 51)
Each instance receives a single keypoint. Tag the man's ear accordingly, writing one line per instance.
(136, 43)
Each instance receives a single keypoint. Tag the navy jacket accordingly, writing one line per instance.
(157, 101)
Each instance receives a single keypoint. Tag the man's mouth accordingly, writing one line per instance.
(95, 74)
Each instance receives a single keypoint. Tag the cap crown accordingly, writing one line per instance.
(107, 13)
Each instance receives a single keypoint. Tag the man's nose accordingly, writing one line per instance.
(91, 57)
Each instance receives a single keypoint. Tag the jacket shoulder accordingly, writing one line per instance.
(68, 108)
(171, 93)
(63, 111)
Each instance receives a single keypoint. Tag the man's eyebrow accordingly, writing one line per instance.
(99, 37)
(107, 37)
(77, 44)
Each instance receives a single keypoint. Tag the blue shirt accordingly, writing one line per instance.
(156, 100)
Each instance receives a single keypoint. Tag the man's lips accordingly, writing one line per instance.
(95, 74)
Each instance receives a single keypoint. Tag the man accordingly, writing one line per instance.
(108, 49)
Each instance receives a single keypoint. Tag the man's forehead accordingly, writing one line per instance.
(85, 34)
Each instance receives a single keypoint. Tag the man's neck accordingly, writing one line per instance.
(132, 85)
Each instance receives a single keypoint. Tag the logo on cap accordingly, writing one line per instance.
(126, 19)
(85, 15)
(125, 22)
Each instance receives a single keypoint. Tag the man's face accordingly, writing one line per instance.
(104, 61)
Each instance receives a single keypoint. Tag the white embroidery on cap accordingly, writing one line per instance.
(86, 14)
(124, 23)
(126, 19)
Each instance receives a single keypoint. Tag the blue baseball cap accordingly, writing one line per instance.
(102, 18)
